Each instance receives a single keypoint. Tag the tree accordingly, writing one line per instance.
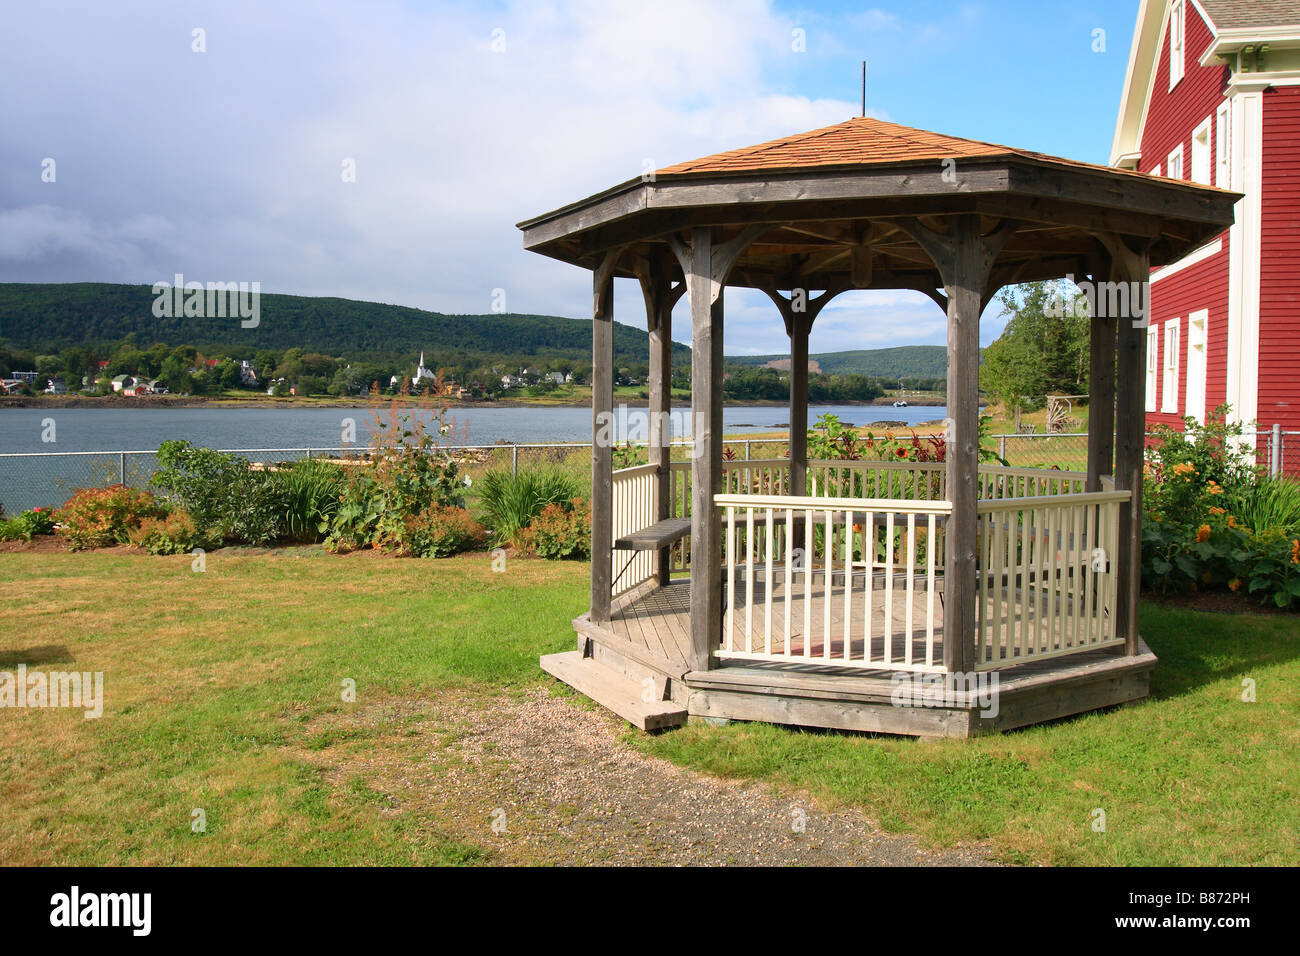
(1044, 347)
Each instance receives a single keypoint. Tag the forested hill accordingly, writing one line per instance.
(908, 361)
(48, 317)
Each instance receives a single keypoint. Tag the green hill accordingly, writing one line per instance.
(908, 361)
(45, 317)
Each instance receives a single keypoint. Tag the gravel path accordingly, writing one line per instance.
(539, 779)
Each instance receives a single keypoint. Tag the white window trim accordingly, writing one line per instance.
(1204, 133)
(1169, 385)
(1177, 41)
(1153, 342)
(1176, 153)
(1223, 145)
(1155, 170)
(1199, 319)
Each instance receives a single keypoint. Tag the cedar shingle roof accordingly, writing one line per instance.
(1236, 14)
(861, 141)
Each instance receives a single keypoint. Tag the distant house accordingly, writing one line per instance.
(24, 376)
(247, 375)
(122, 382)
(157, 387)
(56, 386)
(511, 381)
(10, 385)
(556, 377)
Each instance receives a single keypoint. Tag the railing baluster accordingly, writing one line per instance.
(767, 585)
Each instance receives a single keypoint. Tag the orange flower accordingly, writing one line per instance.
(1203, 533)
(1214, 488)
(1232, 522)
(1217, 511)
(1234, 584)
(1183, 468)
(1295, 551)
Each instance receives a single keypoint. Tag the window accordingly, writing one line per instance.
(1177, 21)
(1201, 153)
(1174, 167)
(1222, 150)
(1153, 341)
(1194, 400)
(1169, 388)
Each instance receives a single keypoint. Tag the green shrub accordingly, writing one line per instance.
(439, 531)
(561, 530)
(175, 534)
(1272, 503)
(222, 493)
(311, 490)
(27, 524)
(100, 517)
(511, 501)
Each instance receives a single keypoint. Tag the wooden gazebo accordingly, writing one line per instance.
(824, 593)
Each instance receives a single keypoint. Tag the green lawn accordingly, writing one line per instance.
(223, 687)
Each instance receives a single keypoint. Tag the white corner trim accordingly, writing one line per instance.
(1189, 260)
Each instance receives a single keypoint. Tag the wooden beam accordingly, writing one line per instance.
(602, 450)
(1101, 400)
(964, 258)
(1128, 265)
(660, 296)
(706, 461)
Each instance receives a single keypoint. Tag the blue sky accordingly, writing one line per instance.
(225, 164)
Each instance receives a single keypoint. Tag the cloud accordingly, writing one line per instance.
(460, 119)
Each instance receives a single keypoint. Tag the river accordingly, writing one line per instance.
(137, 429)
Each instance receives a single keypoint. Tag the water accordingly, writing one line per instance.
(114, 429)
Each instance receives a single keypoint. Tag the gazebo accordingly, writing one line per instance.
(926, 598)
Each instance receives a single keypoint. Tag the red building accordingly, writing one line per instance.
(1212, 95)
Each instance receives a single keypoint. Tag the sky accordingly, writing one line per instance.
(233, 162)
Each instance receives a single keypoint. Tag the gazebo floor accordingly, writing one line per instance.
(647, 639)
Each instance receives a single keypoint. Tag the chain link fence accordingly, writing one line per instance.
(48, 479)
(42, 479)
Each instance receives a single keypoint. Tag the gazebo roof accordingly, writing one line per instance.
(834, 198)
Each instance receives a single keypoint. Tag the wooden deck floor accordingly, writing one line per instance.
(661, 620)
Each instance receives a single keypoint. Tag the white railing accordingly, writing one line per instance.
(1046, 580)
(634, 498)
(848, 582)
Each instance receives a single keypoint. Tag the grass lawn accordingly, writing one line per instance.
(224, 688)
(214, 683)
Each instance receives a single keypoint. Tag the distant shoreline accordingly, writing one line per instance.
(192, 401)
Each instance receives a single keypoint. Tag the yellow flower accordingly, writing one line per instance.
(1234, 584)
(1203, 533)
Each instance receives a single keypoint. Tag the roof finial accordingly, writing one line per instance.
(864, 87)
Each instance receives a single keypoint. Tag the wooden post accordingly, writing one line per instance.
(798, 325)
(1130, 437)
(660, 297)
(964, 259)
(706, 463)
(799, 405)
(965, 286)
(706, 265)
(1101, 400)
(602, 439)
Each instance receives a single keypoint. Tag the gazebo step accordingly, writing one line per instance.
(613, 691)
